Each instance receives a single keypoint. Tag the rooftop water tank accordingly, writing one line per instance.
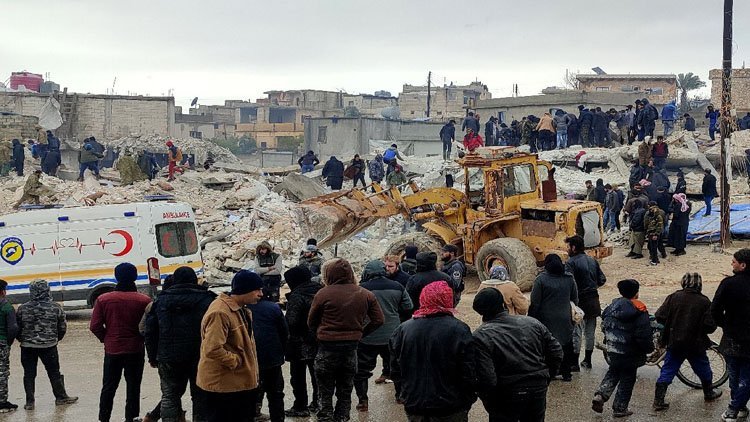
(30, 81)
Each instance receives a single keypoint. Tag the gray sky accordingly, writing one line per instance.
(233, 49)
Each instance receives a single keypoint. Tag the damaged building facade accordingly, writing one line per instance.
(659, 89)
(740, 89)
(446, 102)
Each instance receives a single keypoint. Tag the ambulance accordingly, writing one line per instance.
(77, 249)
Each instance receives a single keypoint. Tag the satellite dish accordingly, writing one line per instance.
(195, 101)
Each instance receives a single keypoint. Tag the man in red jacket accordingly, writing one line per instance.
(115, 323)
(340, 315)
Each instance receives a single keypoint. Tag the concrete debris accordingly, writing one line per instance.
(155, 144)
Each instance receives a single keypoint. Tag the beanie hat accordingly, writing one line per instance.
(628, 288)
(126, 274)
(411, 252)
(245, 282)
(692, 281)
(312, 241)
(185, 275)
(168, 282)
(297, 276)
(499, 272)
(170, 144)
(488, 302)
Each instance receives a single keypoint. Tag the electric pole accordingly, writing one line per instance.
(726, 122)
(429, 92)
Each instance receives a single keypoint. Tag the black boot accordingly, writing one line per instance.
(29, 387)
(709, 393)
(659, 393)
(574, 367)
(586, 363)
(61, 396)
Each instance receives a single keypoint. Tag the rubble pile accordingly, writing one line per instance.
(155, 144)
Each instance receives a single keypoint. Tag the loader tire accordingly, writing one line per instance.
(512, 253)
(423, 241)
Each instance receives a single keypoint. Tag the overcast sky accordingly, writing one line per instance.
(236, 49)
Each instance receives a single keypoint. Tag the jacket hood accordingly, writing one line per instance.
(39, 290)
(16, 142)
(622, 309)
(373, 269)
(263, 245)
(426, 261)
(297, 276)
(338, 271)
(308, 289)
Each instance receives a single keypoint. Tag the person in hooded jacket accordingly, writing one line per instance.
(115, 322)
(686, 316)
(432, 360)
(628, 339)
(302, 345)
(375, 169)
(515, 301)
(269, 266)
(409, 263)
(426, 273)
(333, 172)
(41, 325)
(308, 162)
(681, 186)
(680, 209)
(516, 356)
(653, 223)
(394, 302)
(17, 156)
(271, 333)
(173, 341)
(546, 140)
(600, 193)
(341, 314)
(551, 296)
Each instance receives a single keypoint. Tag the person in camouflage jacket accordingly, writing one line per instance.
(41, 325)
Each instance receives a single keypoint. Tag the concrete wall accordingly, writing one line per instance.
(740, 89)
(104, 116)
(669, 87)
(348, 136)
(446, 102)
(16, 126)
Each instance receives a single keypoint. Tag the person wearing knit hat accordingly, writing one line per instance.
(269, 265)
(434, 383)
(687, 325)
(409, 263)
(551, 296)
(115, 322)
(515, 301)
(312, 259)
(302, 346)
(228, 368)
(628, 338)
(498, 368)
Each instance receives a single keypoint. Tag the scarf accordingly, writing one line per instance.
(436, 298)
(682, 199)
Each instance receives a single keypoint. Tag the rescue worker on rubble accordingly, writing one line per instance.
(308, 162)
(89, 160)
(129, 170)
(268, 266)
(6, 151)
(472, 141)
(18, 156)
(333, 172)
(311, 259)
(175, 156)
(396, 178)
(33, 190)
(359, 165)
(51, 161)
(148, 165)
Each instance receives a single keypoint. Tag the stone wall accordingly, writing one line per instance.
(617, 85)
(740, 89)
(104, 116)
(18, 126)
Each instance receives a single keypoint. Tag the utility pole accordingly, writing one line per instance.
(429, 92)
(726, 119)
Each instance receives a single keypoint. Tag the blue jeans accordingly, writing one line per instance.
(707, 199)
(562, 140)
(93, 166)
(711, 132)
(673, 361)
(668, 127)
(610, 219)
(659, 162)
(739, 381)
(307, 168)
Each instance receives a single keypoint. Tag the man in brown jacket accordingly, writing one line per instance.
(340, 315)
(228, 368)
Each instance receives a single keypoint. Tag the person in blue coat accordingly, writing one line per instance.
(668, 116)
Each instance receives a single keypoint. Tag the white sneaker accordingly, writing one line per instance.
(730, 415)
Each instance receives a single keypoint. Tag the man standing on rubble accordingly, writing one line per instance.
(52, 159)
(668, 116)
(393, 271)
(660, 151)
(561, 122)
(174, 155)
(88, 159)
(644, 152)
(308, 162)
(18, 157)
(333, 172)
(470, 122)
(709, 191)
(600, 127)
(448, 136)
(358, 164)
(689, 123)
(713, 117)
(490, 132)
(268, 266)
(375, 168)
(648, 117)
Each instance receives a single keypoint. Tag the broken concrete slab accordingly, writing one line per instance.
(298, 187)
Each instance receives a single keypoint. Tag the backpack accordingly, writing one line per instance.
(389, 155)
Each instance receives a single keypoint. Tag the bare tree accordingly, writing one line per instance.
(570, 81)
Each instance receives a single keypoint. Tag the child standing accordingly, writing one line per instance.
(628, 338)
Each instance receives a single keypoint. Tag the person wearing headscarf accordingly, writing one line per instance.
(687, 322)
(515, 301)
(430, 383)
(516, 356)
(681, 209)
(551, 297)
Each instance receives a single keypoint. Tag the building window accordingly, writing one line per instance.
(636, 89)
(602, 88)
(411, 112)
(322, 134)
(196, 134)
(466, 100)
(351, 103)
(452, 96)
(216, 125)
(655, 91)
(627, 88)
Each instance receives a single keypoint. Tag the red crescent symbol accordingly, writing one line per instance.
(128, 242)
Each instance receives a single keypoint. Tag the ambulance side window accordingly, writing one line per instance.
(176, 239)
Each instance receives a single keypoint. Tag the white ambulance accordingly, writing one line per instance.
(77, 249)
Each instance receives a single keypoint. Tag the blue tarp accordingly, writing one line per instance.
(706, 229)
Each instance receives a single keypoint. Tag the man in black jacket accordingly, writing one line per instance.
(585, 120)
(432, 360)
(447, 136)
(589, 277)
(454, 268)
(637, 230)
(333, 172)
(173, 341)
(426, 273)
(302, 346)
(730, 310)
(709, 190)
(687, 322)
(515, 357)
(393, 271)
